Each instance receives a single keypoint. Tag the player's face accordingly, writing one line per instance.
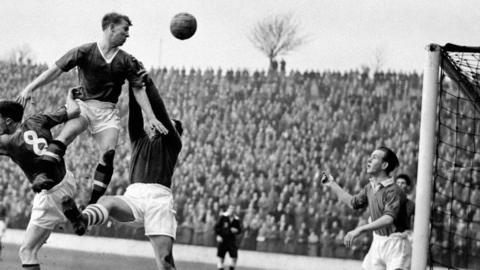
(120, 33)
(402, 183)
(375, 162)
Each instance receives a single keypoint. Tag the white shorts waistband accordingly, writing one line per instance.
(393, 235)
(152, 186)
(68, 175)
(98, 104)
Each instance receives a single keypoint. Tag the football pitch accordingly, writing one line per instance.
(59, 259)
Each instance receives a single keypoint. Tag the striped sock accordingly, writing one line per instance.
(96, 214)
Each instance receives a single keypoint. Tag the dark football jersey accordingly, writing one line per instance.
(224, 226)
(153, 159)
(29, 142)
(100, 79)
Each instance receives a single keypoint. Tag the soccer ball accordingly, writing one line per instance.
(183, 26)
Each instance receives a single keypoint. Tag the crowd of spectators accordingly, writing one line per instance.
(255, 139)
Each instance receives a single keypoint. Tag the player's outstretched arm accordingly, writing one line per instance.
(46, 77)
(158, 106)
(327, 180)
(135, 118)
(136, 77)
(142, 99)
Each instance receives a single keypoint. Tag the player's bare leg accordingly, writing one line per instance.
(35, 237)
(117, 208)
(234, 264)
(162, 246)
(56, 150)
(96, 214)
(220, 263)
(107, 140)
(72, 129)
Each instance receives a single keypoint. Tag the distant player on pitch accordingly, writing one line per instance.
(227, 228)
(26, 143)
(148, 201)
(386, 203)
(102, 70)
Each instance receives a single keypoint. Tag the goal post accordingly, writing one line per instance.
(446, 230)
(425, 158)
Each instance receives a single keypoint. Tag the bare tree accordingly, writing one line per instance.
(276, 35)
(379, 59)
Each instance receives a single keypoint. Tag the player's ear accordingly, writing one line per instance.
(9, 121)
(384, 165)
(111, 26)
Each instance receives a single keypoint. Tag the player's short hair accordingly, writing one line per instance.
(178, 126)
(114, 18)
(391, 158)
(404, 177)
(11, 109)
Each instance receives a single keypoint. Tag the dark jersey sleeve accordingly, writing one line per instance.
(218, 226)
(238, 225)
(135, 114)
(71, 59)
(158, 106)
(392, 203)
(49, 120)
(135, 118)
(360, 200)
(4, 144)
(132, 68)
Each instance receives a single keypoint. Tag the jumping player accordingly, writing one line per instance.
(25, 143)
(227, 228)
(102, 69)
(386, 203)
(148, 200)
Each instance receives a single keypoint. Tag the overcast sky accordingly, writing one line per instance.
(344, 34)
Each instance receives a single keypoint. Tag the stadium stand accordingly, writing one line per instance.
(255, 138)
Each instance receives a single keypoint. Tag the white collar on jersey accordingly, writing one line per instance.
(385, 183)
(108, 60)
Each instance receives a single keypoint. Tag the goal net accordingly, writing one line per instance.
(454, 218)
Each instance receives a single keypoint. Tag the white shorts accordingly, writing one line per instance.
(100, 115)
(152, 207)
(389, 252)
(47, 205)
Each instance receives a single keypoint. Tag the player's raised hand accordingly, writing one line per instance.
(157, 125)
(24, 97)
(323, 177)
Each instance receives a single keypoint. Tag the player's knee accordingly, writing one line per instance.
(165, 258)
(71, 130)
(106, 202)
(26, 254)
